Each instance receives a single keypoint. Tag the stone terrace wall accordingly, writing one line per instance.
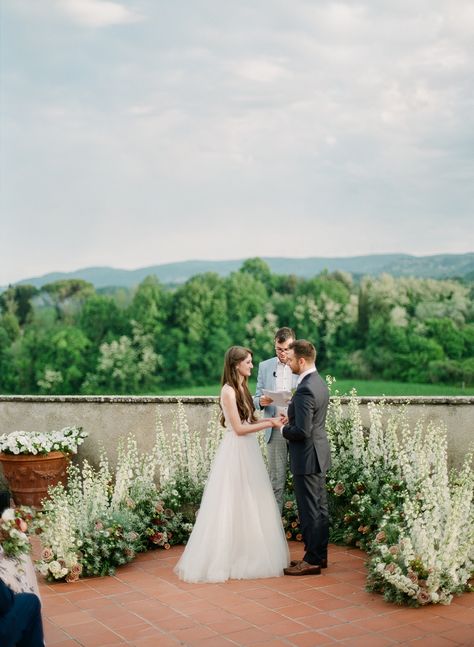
(106, 418)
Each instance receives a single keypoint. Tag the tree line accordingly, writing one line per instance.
(68, 338)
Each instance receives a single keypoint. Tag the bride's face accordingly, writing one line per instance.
(244, 368)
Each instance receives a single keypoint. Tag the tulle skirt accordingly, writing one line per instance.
(238, 532)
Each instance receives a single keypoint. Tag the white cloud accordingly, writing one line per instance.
(208, 117)
(98, 13)
(261, 70)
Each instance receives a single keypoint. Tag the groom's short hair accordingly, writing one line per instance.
(304, 348)
(283, 334)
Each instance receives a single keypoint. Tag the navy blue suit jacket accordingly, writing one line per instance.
(308, 443)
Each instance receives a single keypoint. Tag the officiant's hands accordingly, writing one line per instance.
(265, 400)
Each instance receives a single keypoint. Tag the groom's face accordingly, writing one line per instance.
(293, 362)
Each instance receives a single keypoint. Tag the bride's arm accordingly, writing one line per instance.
(230, 404)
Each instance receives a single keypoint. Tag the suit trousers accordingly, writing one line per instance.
(22, 626)
(277, 454)
(311, 499)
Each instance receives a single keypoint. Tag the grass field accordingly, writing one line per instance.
(363, 387)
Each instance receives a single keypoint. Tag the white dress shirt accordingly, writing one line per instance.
(282, 382)
(301, 376)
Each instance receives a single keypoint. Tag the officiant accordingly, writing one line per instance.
(275, 375)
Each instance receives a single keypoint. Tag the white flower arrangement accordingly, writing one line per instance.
(183, 451)
(401, 503)
(94, 524)
(65, 440)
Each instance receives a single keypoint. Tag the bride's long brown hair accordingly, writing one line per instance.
(231, 376)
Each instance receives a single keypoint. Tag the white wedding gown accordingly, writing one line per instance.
(238, 532)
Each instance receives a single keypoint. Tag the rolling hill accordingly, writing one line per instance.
(437, 266)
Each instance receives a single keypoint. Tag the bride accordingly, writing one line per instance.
(238, 532)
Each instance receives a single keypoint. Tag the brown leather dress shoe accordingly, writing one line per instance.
(323, 563)
(303, 568)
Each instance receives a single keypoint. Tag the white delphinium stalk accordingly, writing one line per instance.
(357, 428)
(164, 453)
(334, 420)
(375, 442)
(126, 471)
(58, 533)
(183, 451)
(437, 536)
(382, 445)
(391, 442)
(135, 472)
(194, 455)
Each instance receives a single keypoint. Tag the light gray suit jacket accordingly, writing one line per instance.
(266, 379)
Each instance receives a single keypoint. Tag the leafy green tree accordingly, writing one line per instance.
(11, 325)
(468, 371)
(195, 351)
(17, 300)
(150, 306)
(396, 353)
(67, 296)
(100, 319)
(445, 333)
(260, 335)
(260, 271)
(125, 365)
(61, 368)
(323, 306)
(246, 298)
(446, 371)
(50, 360)
(7, 371)
(468, 335)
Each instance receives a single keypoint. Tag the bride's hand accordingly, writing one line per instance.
(275, 422)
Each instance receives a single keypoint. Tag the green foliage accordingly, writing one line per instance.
(101, 320)
(17, 300)
(100, 520)
(67, 338)
(126, 365)
(289, 516)
(391, 493)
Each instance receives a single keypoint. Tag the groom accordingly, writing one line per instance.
(310, 456)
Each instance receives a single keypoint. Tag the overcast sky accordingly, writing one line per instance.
(140, 132)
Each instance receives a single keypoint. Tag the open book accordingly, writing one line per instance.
(280, 398)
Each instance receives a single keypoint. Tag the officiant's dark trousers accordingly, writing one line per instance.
(312, 502)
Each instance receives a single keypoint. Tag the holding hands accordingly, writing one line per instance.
(274, 422)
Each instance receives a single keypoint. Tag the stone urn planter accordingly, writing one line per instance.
(33, 461)
(30, 475)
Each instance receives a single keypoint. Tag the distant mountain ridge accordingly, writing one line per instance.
(437, 266)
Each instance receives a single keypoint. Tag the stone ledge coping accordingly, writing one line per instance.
(211, 399)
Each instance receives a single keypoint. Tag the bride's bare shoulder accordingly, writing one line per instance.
(227, 392)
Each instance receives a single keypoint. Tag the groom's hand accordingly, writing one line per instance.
(283, 419)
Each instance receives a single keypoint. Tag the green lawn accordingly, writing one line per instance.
(363, 387)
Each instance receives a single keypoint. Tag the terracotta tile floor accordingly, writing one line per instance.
(145, 605)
